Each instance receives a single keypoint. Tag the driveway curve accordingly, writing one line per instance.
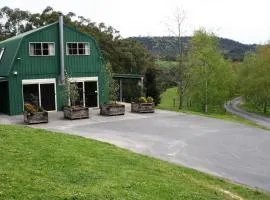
(233, 107)
(226, 149)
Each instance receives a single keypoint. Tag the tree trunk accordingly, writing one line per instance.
(181, 101)
(265, 107)
(181, 97)
(206, 97)
(206, 108)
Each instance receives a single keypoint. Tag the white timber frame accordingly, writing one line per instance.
(87, 53)
(29, 49)
(39, 82)
(83, 80)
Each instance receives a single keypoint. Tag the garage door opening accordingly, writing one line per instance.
(88, 91)
(4, 97)
(41, 94)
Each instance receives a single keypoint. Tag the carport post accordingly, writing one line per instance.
(121, 90)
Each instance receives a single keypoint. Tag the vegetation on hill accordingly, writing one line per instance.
(165, 48)
(37, 164)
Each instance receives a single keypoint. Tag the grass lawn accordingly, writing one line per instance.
(251, 108)
(37, 164)
(166, 64)
(166, 103)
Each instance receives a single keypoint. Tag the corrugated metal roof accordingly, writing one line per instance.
(11, 46)
(127, 76)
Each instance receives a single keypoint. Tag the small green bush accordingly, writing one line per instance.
(150, 100)
(142, 100)
(30, 108)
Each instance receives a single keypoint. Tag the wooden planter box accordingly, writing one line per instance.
(36, 118)
(143, 107)
(112, 109)
(76, 112)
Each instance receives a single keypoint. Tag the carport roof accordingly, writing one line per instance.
(127, 76)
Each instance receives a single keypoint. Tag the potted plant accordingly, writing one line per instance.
(71, 96)
(34, 114)
(113, 108)
(143, 105)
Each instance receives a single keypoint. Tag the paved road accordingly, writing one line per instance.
(233, 107)
(221, 148)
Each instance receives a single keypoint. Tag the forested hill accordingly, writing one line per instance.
(166, 47)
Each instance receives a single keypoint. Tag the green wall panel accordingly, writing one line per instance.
(43, 67)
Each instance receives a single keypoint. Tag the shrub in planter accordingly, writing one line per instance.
(143, 105)
(113, 108)
(71, 96)
(142, 100)
(149, 100)
(34, 114)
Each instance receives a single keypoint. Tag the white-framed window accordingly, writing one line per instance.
(41, 49)
(77, 48)
(1, 52)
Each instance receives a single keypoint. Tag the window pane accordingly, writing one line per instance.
(82, 51)
(45, 45)
(37, 46)
(1, 52)
(51, 49)
(31, 94)
(31, 52)
(87, 50)
(74, 51)
(74, 45)
(69, 45)
(45, 52)
(81, 45)
(37, 52)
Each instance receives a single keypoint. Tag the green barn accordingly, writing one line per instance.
(33, 66)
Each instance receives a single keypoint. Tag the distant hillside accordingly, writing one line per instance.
(166, 47)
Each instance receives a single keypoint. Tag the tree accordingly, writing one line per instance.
(254, 78)
(13, 21)
(151, 85)
(182, 73)
(111, 84)
(70, 93)
(212, 79)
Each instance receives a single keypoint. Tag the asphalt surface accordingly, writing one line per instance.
(233, 107)
(226, 149)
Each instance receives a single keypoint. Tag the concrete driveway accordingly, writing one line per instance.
(231, 150)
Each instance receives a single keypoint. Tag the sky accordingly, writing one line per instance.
(246, 21)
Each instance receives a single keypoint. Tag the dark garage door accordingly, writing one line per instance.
(4, 99)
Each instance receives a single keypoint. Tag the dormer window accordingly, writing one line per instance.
(77, 48)
(1, 52)
(41, 49)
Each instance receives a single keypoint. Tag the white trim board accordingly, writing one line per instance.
(38, 81)
(80, 79)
